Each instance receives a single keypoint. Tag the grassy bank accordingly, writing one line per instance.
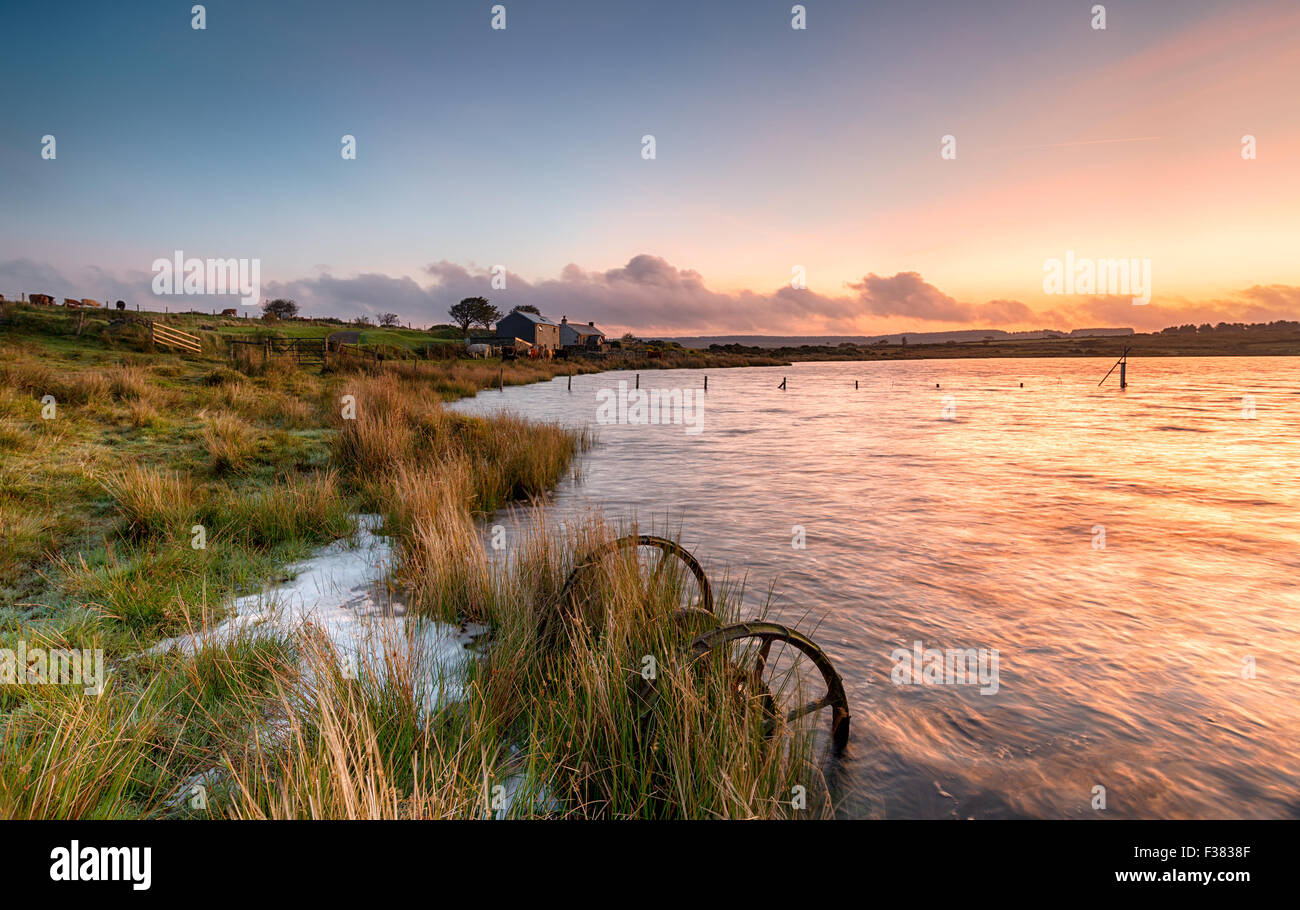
(140, 492)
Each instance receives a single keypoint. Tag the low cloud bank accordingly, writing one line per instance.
(651, 296)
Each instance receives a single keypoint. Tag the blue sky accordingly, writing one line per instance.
(522, 147)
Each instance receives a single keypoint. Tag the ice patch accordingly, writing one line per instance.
(342, 592)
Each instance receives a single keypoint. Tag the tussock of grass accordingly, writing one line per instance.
(310, 508)
(229, 441)
(128, 383)
(67, 755)
(395, 426)
(153, 504)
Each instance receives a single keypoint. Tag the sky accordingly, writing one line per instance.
(777, 152)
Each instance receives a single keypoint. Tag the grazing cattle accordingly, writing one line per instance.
(42, 299)
(230, 312)
(479, 350)
(72, 301)
(86, 301)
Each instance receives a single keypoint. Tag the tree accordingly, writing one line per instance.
(463, 313)
(485, 314)
(389, 319)
(121, 304)
(527, 308)
(280, 308)
(473, 311)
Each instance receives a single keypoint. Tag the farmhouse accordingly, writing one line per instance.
(538, 331)
(582, 337)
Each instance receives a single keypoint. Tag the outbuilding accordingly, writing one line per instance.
(530, 327)
(582, 337)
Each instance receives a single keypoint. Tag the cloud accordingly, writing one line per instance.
(651, 296)
(907, 294)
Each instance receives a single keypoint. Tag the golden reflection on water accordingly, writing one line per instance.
(972, 515)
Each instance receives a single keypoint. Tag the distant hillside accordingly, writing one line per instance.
(793, 341)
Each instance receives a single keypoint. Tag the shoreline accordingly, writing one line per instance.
(162, 493)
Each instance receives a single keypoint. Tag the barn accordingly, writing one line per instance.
(530, 327)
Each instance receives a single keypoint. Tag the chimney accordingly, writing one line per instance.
(590, 323)
(564, 320)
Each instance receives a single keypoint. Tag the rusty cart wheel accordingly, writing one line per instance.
(665, 569)
(778, 684)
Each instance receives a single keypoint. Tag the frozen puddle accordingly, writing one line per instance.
(341, 592)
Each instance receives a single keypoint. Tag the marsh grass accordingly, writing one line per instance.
(573, 732)
(395, 426)
(98, 510)
(229, 441)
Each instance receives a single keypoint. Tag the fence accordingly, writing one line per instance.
(303, 350)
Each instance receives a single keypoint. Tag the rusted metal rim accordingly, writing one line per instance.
(633, 541)
(767, 633)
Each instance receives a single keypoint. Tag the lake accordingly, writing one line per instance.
(1131, 555)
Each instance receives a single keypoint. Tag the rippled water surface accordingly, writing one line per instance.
(970, 516)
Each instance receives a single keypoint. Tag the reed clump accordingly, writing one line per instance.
(575, 731)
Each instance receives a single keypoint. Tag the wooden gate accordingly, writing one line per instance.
(175, 339)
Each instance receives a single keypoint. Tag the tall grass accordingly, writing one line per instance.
(308, 508)
(68, 755)
(575, 731)
(569, 727)
(392, 425)
(229, 441)
(152, 503)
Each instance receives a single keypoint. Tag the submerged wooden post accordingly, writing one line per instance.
(638, 380)
(1122, 363)
(855, 383)
(501, 379)
(706, 383)
(782, 385)
(570, 381)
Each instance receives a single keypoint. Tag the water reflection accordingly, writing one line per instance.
(1130, 555)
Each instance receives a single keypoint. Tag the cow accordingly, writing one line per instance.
(42, 299)
(479, 350)
(72, 301)
(230, 312)
(86, 301)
